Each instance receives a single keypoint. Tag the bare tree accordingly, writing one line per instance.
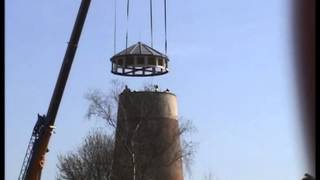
(104, 106)
(210, 176)
(91, 161)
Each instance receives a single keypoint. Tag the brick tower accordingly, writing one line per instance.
(147, 143)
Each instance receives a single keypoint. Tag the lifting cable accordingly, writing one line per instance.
(165, 25)
(151, 23)
(127, 23)
(115, 28)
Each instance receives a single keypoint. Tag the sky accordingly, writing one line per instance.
(231, 67)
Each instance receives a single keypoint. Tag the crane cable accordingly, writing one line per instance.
(151, 25)
(127, 23)
(165, 26)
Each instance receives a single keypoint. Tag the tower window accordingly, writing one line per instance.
(129, 61)
(152, 61)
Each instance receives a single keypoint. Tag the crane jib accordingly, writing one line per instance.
(37, 147)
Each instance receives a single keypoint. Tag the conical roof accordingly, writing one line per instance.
(139, 49)
(139, 60)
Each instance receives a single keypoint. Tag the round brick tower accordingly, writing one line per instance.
(147, 137)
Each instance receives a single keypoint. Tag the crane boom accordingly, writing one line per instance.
(32, 146)
(38, 145)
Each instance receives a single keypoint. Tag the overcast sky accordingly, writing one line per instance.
(230, 67)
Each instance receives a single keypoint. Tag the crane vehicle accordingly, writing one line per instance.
(38, 145)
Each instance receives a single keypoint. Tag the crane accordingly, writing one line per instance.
(38, 145)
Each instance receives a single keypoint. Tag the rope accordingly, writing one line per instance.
(127, 23)
(151, 25)
(115, 28)
(165, 25)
